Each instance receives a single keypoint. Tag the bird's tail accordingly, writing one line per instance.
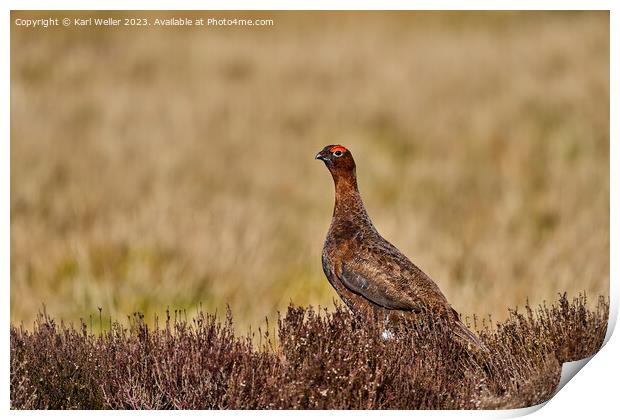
(471, 341)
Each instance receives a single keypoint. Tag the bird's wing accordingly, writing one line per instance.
(383, 275)
(376, 287)
(387, 283)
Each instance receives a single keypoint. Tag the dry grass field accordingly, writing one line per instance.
(164, 167)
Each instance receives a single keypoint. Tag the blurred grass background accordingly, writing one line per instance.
(164, 167)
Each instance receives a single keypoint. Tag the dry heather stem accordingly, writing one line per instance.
(319, 359)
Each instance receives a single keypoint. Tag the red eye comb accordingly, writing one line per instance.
(338, 148)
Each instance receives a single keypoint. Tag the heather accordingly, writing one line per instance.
(312, 358)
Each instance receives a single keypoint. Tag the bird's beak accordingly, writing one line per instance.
(320, 156)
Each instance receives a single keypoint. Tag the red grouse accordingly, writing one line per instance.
(369, 274)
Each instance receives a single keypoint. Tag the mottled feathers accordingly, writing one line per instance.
(369, 273)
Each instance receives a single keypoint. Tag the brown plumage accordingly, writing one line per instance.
(370, 274)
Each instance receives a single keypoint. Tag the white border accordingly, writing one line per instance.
(313, 5)
(593, 393)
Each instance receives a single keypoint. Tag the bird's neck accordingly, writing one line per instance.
(348, 204)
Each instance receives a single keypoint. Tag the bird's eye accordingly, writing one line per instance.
(338, 153)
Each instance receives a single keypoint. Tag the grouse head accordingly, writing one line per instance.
(339, 161)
